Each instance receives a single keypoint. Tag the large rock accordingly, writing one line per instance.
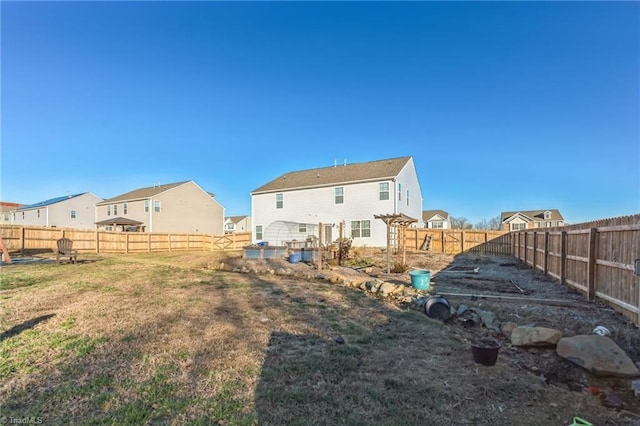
(535, 336)
(386, 288)
(598, 354)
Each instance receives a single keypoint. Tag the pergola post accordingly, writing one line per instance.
(400, 220)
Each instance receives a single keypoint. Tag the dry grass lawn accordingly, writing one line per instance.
(165, 339)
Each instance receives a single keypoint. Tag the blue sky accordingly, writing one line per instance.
(503, 105)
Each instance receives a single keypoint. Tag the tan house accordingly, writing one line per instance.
(531, 219)
(70, 211)
(181, 207)
(234, 224)
(6, 212)
(436, 219)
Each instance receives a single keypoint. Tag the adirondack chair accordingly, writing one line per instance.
(65, 249)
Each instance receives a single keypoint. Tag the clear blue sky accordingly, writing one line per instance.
(503, 105)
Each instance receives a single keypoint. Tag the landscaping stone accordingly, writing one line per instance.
(598, 354)
(535, 336)
(386, 288)
(507, 329)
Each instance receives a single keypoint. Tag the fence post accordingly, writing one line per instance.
(126, 244)
(486, 240)
(443, 242)
(591, 279)
(22, 238)
(320, 246)
(535, 249)
(149, 242)
(546, 252)
(462, 243)
(525, 247)
(97, 241)
(563, 257)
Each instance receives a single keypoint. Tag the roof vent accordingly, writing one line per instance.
(345, 161)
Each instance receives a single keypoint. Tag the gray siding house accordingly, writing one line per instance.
(181, 207)
(70, 211)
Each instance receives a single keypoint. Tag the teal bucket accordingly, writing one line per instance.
(420, 279)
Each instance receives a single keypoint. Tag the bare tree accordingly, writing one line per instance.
(461, 223)
(493, 223)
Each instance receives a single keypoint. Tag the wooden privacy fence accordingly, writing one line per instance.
(34, 238)
(454, 241)
(597, 258)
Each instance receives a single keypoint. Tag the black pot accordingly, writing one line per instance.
(485, 351)
(437, 307)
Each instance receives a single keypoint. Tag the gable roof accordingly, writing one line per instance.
(141, 193)
(50, 201)
(325, 176)
(235, 219)
(428, 214)
(535, 215)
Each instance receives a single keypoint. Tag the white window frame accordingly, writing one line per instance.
(146, 206)
(279, 200)
(399, 192)
(360, 228)
(115, 210)
(157, 206)
(518, 226)
(108, 209)
(74, 214)
(437, 224)
(383, 191)
(258, 232)
(125, 208)
(339, 195)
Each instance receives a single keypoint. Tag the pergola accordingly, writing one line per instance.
(401, 221)
(120, 221)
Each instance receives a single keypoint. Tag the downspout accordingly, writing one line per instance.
(46, 216)
(395, 196)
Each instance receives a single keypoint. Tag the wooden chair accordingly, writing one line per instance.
(65, 249)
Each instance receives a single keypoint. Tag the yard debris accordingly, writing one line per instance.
(601, 331)
(340, 340)
(611, 400)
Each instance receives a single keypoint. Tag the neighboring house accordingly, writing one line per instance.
(234, 224)
(292, 206)
(70, 211)
(436, 219)
(6, 212)
(181, 207)
(530, 219)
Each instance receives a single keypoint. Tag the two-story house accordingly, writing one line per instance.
(233, 224)
(181, 207)
(6, 212)
(70, 211)
(436, 219)
(530, 219)
(292, 206)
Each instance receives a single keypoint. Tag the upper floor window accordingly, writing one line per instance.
(146, 206)
(360, 228)
(156, 206)
(399, 192)
(339, 192)
(73, 214)
(384, 191)
(258, 232)
(437, 224)
(23, 215)
(109, 210)
(115, 210)
(302, 227)
(279, 201)
(518, 226)
(125, 208)
(407, 197)
(38, 212)
(547, 215)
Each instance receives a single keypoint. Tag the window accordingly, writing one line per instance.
(23, 215)
(407, 197)
(437, 224)
(146, 206)
(156, 206)
(384, 191)
(74, 214)
(339, 195)
(547, 215)
(115, 210)
(279, 201)
(125, 208)
(360, 228)
(518, 226)
(38, 212)
(258, 232)
(109, 210)
(399, 192)
(302, 227)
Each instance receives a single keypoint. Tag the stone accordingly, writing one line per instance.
(507, 329)
(461, 309)
(386, 288)
(534, 336)
(490, 321)
(597, 354)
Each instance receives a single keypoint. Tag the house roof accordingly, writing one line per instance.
(141, 193)
(324, 176)
(49, 201)
(119, 221)
(428, 214)
(536, 215)
(235, 219)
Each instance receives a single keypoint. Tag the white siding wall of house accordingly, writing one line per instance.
(317, 205)
(60, 214)
(408, 180)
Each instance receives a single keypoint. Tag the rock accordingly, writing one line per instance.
(339, 340)
(598, 354)
(535, 336)
(489, 320)
(386, 288)
(507, 328)
(461, 309)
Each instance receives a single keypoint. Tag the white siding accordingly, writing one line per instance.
(59, 214)
(317, 205)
